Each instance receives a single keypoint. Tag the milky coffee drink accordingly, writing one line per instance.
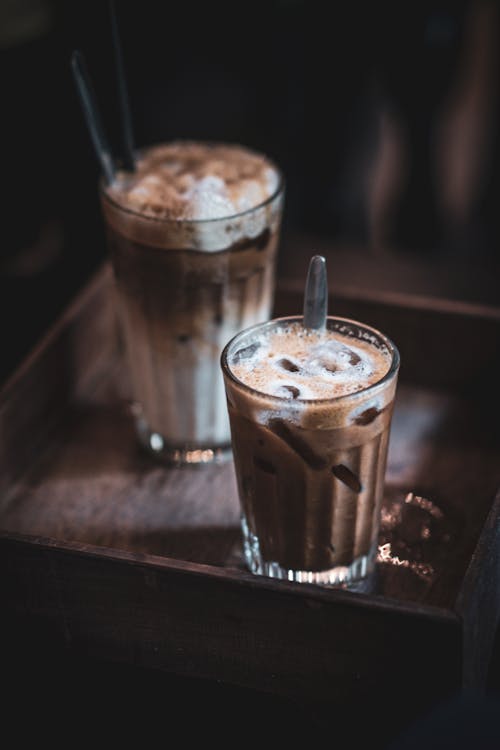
(310, 415)
(193, 236)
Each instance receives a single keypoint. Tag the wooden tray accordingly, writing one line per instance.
(118, 557)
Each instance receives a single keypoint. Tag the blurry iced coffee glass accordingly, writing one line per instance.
(310, 416)
(193, 236)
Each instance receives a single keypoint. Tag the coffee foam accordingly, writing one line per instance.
(297, 363)
(189, 180)
(366, 393)
(201, 190)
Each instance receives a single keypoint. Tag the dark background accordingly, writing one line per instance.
(384, 119)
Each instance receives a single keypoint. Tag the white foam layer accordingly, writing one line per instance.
(211, 198)
(296, 363)
(194, 195)
(195, 181)
(208, 199)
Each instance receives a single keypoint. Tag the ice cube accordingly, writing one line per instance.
(288, 365)
(289, 391)
(244, 354)
(367, 416)
(263, 465)
(354, 359)
(297, 443)
(333, 357)
(347, 477)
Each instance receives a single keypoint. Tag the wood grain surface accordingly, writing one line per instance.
(141, 562)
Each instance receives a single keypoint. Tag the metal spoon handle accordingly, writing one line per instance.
(316, 294)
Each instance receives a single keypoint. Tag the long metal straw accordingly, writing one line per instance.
(92, 115)
(125, 114)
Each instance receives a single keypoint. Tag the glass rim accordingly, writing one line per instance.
(280, 188)
(346, 397)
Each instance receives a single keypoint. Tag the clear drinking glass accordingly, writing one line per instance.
(310, 472)
(184, 287)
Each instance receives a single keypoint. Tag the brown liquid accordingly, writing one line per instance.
(179, 308)
(310, 479)
(311, 506)
(186, 282)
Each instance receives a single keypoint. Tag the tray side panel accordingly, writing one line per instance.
(63, 366)
(276, 641)
(479, 602)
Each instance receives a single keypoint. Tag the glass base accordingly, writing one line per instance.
(358, 576)
(187, 455)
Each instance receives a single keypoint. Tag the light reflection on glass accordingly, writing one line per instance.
(422, 570)
(413, 529)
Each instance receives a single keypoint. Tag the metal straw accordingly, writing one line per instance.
(125, 114)
(92, 115)
(316, 294)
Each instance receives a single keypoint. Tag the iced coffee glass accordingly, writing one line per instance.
(310, 416)
(193, 238)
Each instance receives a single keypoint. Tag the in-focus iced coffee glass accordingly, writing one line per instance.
(193, 238)
(310, 416)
